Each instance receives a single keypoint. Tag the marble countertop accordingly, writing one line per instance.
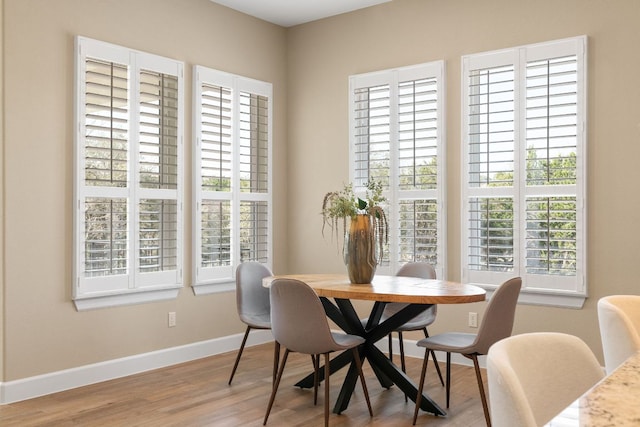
(613, 402)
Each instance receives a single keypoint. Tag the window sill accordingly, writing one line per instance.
(115, 300)
(214, 287)
(528, 297)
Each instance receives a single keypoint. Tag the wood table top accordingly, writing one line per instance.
(411, 290)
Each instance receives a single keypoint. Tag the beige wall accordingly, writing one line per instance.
(2, 109)
(321, 56)
(309, 66)
(43, 331)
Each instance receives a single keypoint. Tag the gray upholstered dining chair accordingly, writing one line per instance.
(299, 324)
(252, 300)
(496, 324)
(421, 270)
(619, 319)
(533, 377)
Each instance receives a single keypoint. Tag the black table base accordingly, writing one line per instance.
(345, 316)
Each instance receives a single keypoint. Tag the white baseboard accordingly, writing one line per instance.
(40, 385)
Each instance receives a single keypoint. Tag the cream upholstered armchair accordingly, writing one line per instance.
(619, 318)
(532, 377)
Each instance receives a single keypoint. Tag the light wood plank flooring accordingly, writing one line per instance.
(197, 394)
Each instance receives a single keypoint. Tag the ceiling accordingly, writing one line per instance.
(287, 13)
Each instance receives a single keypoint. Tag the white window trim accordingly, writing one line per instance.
(165, 285)
(537, 289)
(222, 279)
(393, 77)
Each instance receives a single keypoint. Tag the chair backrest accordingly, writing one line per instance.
(497, 322)
(532, 377)
(298, 319)
(422, 270)
(619, 318)
(251, 297)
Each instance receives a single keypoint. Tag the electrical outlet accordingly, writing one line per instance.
(473, 319)
(172, 319)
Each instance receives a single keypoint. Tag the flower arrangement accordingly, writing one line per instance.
(342, 207)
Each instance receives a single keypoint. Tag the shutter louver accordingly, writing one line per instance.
(372, 135)
(551, 114)
(551, 235)
(418, 134)
(491, 127)
(158, 235)
(215, 138)
(106, 237)
(106, 123)
(158, 130)
(491, 234)
(254, 231)
(254, 115)
(216, 233)
(418, 234)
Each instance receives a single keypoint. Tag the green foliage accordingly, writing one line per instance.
(340, 207)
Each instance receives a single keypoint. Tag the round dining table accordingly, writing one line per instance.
(419, 294)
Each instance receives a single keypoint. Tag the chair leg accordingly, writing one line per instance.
(315, 358)
(421, 385)
(275, 385)
(356, 358)
(485, 407)
(235, 365)
(390, 346)
(448, 385)
(435, 360)
(327, 374)
(276, 359)
(400, 340)
(402, 363)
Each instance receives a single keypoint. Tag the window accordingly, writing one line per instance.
(397, 138)
(128, 169)
(232, 176)
(524, 112)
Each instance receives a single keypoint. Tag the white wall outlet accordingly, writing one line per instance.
(473, 319)
(172, 319)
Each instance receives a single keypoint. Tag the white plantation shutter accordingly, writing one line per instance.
(106, 123)
(491, 161)
(525, 169)
(128, 171)
(106, 171)
(372, 134)
(214, 169)
(552, 135)
(397, 138)
(254, 176)
(232, 176)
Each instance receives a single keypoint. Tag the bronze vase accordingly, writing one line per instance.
(360, 250)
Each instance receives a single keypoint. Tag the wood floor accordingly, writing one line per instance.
(197, 394)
